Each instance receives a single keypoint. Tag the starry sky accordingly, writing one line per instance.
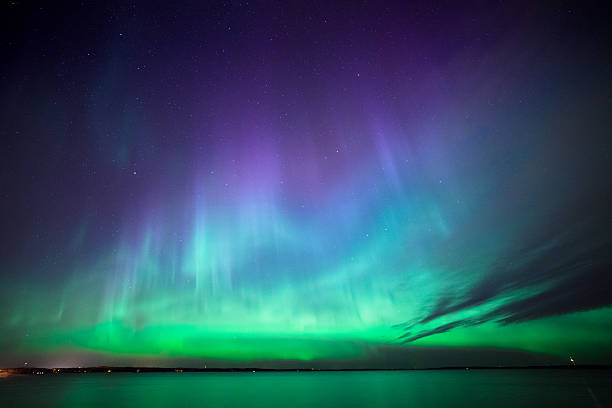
(305, 184)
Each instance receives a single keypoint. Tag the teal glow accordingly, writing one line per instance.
(360, 186)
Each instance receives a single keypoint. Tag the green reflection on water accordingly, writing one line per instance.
(476, 388)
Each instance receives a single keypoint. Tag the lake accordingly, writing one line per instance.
(431, 388)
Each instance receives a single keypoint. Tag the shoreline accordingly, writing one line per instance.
(141, 370)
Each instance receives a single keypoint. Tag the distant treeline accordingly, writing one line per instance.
(137, 370)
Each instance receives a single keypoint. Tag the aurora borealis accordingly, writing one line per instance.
(301, 184)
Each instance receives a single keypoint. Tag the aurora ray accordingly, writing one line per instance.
(196, 188)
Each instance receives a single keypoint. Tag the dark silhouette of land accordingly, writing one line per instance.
(140, 370)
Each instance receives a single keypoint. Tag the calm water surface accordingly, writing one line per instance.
(474, 388)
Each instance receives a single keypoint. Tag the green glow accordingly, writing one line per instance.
(582, 333)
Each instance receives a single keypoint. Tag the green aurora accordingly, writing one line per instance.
(382, 195)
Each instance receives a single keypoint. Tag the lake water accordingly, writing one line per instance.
(439, 388)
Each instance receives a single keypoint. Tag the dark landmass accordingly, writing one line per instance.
(139, 370)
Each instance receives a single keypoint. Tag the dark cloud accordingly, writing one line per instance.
(440, 329)
(575, 264)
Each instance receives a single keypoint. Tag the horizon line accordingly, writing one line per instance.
(149, 369)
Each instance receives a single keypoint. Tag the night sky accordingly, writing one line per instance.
(312, 184)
